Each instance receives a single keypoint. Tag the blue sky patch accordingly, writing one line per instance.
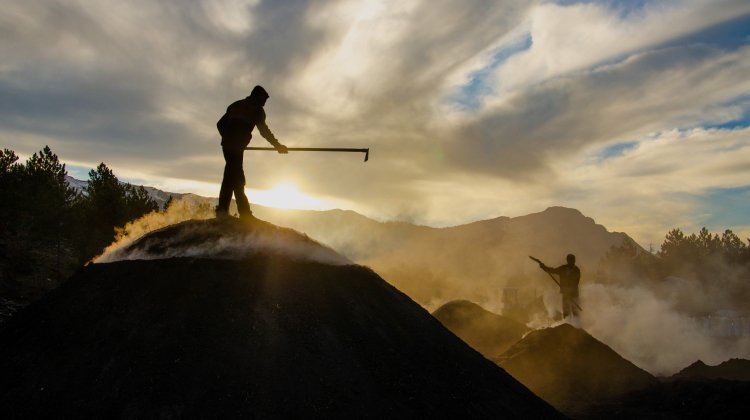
(614, 150)
(742, 102)
(624, 8)
(728, 35)
(724, 208)
(78, 172)
(470, 95)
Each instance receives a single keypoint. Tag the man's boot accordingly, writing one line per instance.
(222, 214)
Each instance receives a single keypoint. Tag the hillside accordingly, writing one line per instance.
(267, 324)
(732, 369)
(488, 333)
(571, 369)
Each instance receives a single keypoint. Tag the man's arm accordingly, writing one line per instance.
(560, 270)
(268, 135)
(546, 268)
(552, 270)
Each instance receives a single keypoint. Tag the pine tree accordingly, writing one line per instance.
(138, 202)
(108, 204)
(36, 208)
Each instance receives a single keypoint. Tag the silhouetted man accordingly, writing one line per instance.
(235, 127)
(569, 275)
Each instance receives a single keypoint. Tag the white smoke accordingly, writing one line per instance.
(178, 211)
(217, 239)
(649, 331)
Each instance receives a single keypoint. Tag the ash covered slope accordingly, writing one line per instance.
(265, 334)
(488, 333)
(226, 238)
(566, 366)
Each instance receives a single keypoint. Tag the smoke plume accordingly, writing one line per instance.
(184, 231)
(649, 330)
(178, 211)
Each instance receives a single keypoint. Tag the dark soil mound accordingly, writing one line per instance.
(488, 333)
(571, 369)
(695, 399)
(264, 336)
(732, 369)
(225, 238)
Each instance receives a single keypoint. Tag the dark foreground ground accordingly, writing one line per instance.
(261, 337)
(696, 399)
(584, 378)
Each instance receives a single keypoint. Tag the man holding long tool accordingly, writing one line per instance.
(570, 276)
(236, 127)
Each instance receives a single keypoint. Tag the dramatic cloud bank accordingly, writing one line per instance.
(633, 112)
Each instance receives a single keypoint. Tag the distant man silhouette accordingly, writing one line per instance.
(235, 127)
(570, 276)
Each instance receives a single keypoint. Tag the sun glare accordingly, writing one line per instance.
(285, 195)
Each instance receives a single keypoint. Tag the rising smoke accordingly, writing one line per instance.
(192, 235)
(178, 211)
(651, 332)
(649, 329)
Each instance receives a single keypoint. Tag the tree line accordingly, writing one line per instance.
(716, 262)
(48, 229)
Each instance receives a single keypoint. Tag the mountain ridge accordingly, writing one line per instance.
(471, 261)
(732, 369)
(161, 197)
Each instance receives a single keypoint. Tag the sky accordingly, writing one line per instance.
(637, 113)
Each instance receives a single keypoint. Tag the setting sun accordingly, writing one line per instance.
(285, 195)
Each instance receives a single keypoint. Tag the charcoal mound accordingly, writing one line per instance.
(488, 333)
(732, 369)
(268, 335)
(222, 238)
(571, 369)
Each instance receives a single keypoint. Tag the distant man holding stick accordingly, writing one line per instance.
(236, 127)
(570, 276)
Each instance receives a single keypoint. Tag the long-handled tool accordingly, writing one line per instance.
(317, 149)
(556, 282)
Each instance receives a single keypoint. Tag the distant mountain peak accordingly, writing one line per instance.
(561, 209)
(161, 197)
(732, 369)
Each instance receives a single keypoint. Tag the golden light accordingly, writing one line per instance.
(285, 195)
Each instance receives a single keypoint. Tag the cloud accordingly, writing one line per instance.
(558, 119)
(665, 180)
(579, 36)
(140, 85)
